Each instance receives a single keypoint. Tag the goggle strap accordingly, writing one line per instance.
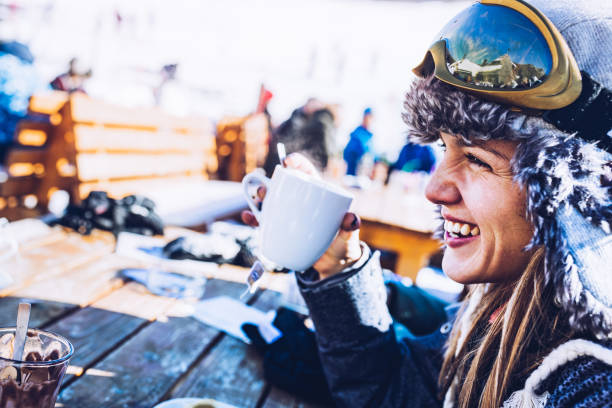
(590, 115)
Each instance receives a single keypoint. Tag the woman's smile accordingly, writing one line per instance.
(457, 234)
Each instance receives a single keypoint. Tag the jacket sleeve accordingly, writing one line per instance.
(364, 364)
(584, 382)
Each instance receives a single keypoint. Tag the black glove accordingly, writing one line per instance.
(292, 362)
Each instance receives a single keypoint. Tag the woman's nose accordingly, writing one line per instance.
(441, 188)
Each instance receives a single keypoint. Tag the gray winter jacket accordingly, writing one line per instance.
(366, 366)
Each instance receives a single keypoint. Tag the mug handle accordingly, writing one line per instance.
(245, 186)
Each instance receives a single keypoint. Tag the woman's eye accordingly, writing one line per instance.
(473, 159)
(442, 145)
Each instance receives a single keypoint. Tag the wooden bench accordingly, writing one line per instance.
(88, 145)
(99, 146)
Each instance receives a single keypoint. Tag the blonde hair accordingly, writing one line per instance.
(503, 338)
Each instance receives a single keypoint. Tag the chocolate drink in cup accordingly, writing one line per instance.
(34, 381)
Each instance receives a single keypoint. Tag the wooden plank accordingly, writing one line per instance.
(115, 165)
(25, 155)
(278, 398)
(147, 187)
(232, 372)
(94, 333)
(143, 369)
(89, 110)
(48, 102)
(98, 138)
(42, 311)
(19, 186)
(17, 213)
(81, 286)
(56, 257)
(134, 299)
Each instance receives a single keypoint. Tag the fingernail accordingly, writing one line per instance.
(246, 217)
(356, 223)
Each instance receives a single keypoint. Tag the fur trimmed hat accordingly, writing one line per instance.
(566, 177)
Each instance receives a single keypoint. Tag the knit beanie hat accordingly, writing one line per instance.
(569, 201)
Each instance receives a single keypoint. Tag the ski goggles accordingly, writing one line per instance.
(508, 52)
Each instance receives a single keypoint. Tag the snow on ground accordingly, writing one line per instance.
(354, 53)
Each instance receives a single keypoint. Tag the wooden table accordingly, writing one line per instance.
(398, 220)
(134, 349)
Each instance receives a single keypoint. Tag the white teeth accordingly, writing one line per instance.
(459, 229)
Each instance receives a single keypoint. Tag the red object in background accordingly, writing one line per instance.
(264, 98)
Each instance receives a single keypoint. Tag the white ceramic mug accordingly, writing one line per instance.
(299, 218)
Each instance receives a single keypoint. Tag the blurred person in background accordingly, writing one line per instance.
(167, 74)
(19, 79)
(72, 80)
(414, 157)
(524, 195)
(359, 144)
(310, 130)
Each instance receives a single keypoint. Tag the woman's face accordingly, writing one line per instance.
(483, 210)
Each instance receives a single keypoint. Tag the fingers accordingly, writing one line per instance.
(249, 218)
(261, 192)
(350, 222)
(299, 162)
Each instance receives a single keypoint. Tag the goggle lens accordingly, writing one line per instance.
(492, 46)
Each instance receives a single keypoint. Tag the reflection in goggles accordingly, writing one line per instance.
(496, 47)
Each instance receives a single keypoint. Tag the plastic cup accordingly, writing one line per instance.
(33, 382)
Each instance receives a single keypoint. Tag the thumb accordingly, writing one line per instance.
(349, 234)
(351, 222)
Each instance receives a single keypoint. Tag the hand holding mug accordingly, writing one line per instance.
(302, 216)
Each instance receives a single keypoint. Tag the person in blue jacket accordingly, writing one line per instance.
(414, 157)
(520, 97)
(360, 143)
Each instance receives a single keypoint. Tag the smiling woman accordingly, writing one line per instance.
(491, 178)
(526, 219)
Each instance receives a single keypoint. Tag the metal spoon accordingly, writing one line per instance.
(23, 319)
